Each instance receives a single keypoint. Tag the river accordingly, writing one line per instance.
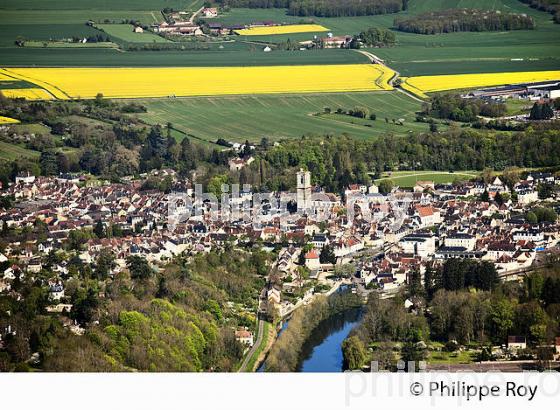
(322, 352)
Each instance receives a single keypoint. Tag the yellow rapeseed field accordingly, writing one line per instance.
(4, 77)
(66, 83)
(27, 93)
(410, 88)
(426, 84)
(288, 29)
(8, 120)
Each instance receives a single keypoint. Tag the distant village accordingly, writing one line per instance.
(319, 250)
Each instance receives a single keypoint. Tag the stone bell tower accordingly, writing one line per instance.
(303, 190)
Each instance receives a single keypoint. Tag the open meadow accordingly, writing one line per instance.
(407, 179)
(124, 32)
(285, 116)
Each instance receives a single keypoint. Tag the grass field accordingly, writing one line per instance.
(97, 4)
(11, 152)
(66, 83)
(407, 179)
(229, 56)
(284, 116)
(65, 44)
(124, 32)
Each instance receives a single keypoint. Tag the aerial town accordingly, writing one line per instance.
(365, 240)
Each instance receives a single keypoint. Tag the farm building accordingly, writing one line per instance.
(534, 91)
(181, 28)
(210, 12)
(336, 41)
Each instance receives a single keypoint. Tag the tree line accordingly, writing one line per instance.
(551, 6)
(325, 8)
(453, 107)
(338, 162)
(457, 20)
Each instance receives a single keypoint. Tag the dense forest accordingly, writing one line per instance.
(325, 8)
(551, 6)
(449, 310)
(457, 20)
(174, 319)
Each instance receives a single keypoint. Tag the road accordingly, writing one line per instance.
(254, 348)
(376, 60)
(196, 13)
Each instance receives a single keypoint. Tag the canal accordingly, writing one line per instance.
(322, 352)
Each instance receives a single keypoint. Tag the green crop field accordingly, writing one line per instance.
(254, 117)
(57, 57)
(417, 54)
(97, 4)
(124, 32)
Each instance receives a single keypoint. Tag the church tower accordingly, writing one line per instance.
(303, 190)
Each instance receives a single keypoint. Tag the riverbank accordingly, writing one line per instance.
(322, 351)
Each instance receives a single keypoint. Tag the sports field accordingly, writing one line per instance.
(66, 83)
(285, 116)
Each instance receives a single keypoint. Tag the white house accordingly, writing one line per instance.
(210, 12)
(421, 245)
(312, 260)
(527, 196)
(245, 337)
(461, 240)
(516, 343)
(56, 291)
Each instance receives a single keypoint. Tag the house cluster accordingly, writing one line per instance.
(179, 28)
(383, 237)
